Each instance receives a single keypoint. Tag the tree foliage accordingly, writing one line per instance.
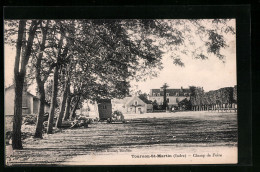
(220, 96)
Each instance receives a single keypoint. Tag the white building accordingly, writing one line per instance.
(130, 105)
(173, 96)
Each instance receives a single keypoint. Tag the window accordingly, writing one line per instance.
(136, 102)
(167, 100)
(158, 94)
(167, 94)
(154, 94)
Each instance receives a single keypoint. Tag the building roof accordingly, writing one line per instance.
(136, 98)
(171, 91)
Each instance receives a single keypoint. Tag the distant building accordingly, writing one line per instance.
(30, 102)
(173, 96)
(131, 105)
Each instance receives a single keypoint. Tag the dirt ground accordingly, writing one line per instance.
(186, 133)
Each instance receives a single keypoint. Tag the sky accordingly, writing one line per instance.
(211, 74)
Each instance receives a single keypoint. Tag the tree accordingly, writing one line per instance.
(68, 106)
(165, 103)
(41, 77)
(53, 101)
(60, 54)
(43, 62)
(50, 52)
(64, 97)
(155, 105)
(21, 61)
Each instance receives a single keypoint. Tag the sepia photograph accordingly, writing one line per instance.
(82, 92)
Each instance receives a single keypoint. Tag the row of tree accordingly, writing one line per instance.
(221, 96)
(94, 59)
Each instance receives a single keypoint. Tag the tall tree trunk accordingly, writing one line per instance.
(40, 83)
(55, 87)
(67, 110)
(17, 121)
(18, 85)
(53, 101)
(62, 107)
(39, 124)
(19, 74)
(73, 112)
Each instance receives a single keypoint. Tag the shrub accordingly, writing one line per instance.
(117, 113)
(30, 120)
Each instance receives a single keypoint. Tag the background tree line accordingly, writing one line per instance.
(227, 96)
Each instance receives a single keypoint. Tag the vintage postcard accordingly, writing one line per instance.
(120, 92)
